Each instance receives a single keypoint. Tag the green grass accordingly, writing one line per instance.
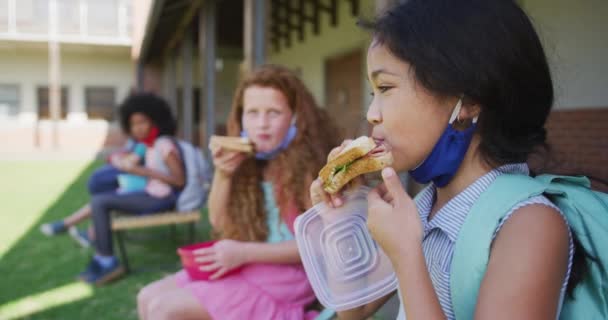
(38, 273)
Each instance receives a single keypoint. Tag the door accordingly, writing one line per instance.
(344, 92)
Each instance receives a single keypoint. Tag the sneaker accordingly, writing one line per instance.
(53, 228)
(92, 269)
(100, 275)
(81, 236)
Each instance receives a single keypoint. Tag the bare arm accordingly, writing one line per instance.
(526, 270)
(218, 199)
(228, 254)
(365, 311)
(527, 266)
(226, 163)
(283, 252)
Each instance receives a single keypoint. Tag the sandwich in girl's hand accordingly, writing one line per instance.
(360, 156)
(240, 144)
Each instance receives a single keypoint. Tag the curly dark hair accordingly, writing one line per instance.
(153, 106)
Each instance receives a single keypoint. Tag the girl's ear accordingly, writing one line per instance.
(469, 111)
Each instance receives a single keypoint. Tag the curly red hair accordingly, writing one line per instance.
(292, 170)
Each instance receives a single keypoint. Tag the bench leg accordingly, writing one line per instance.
(122, 250)
(191, 232)
(173, 233)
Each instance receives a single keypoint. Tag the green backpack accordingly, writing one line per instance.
(587, 214)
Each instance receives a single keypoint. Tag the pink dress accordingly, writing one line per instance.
(258, 291)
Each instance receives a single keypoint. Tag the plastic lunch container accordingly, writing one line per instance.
(344, 264)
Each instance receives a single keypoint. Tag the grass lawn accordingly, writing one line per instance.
(39, 273)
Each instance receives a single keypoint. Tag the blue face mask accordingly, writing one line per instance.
(291, 134)
(444, 160)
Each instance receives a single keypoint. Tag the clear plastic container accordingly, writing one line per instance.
(345, 266)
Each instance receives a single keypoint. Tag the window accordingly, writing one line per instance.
(99, 102)
(3, 15)
(9, 100)
(102, 17)
(69, 17)
(44, 111)
(32, 16)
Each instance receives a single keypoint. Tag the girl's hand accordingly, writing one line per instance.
(226, 161)
(393, 218)
(223, 256)
(317, 194)
(117, 159)
(125, 166)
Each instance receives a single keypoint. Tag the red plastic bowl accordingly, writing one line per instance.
(192, 267)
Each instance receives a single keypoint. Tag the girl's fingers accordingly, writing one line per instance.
(210, 267)
(335, 151)
(337, 199)
(382, 191)
(205, 259)
(204, 251)
(236, 159)
(229, 156)
(374, 197)
(216, 152)
(317, 194)
(219, 273)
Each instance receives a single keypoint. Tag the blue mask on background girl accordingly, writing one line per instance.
(444, 160)
(291, 134)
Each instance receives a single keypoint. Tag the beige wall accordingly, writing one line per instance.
(309, 56)
(575, 35)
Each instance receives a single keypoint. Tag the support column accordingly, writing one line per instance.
(207, 49)
(54, 73)
(170, 81)
(187, 99)
(254, 33)
(139, 75)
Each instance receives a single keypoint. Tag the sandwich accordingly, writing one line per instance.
(363, 155)
(239, 144)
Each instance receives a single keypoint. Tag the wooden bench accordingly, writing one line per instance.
(122, 222)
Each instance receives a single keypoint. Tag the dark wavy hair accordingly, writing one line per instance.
(153, 106)
(487, 51)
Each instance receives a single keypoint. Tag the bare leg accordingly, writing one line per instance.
(151, 291)
(78, 216)
(178, 304)
(91, 232)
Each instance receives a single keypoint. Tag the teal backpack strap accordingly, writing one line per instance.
(587, 214)
(472, 248)
(326, 314)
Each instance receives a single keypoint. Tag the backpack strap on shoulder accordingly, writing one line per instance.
(472, 248)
